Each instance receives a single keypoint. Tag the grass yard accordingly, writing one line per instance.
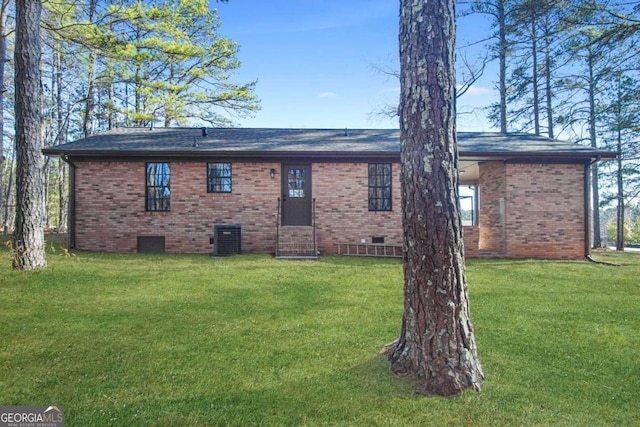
(133, 340)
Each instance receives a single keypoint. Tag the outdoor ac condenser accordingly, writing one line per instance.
(227, 239)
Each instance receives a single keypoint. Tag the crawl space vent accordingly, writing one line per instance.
(151, 244)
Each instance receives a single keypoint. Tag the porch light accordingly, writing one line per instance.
(272, 173)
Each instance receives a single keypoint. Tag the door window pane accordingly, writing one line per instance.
(295, 182)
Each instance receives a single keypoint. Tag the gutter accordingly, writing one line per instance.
(252, 156)
(587, 210)
(203, 153)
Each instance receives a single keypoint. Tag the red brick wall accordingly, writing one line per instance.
(342, 207)
(545, 211)
(532, 210)
(492, 215)
(110, 208)
(471, 241)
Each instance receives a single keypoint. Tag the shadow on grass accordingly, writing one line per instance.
(358, 395)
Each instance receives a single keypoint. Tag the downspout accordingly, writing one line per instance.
(71, 221)
(587, 210)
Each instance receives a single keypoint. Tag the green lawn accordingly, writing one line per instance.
(133, 340)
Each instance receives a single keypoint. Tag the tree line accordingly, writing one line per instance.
(565, 69)
(569, 69)
(107, 64)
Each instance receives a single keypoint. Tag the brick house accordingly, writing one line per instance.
(297, 192)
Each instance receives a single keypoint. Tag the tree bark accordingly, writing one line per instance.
(620, 184)
(90, 105)
(4, 198)
(502, 53)
(436, 343)
(29, 234)
(534, 78)
(595, 186)
(61, 129)
(547, 76)
(8, 213)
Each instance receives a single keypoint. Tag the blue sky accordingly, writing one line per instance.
(314, 61)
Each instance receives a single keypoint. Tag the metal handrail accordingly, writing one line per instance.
(313, 217)
(278, 229)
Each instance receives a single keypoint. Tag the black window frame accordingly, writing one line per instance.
(380, 195)
(219, 181)
(158, 195)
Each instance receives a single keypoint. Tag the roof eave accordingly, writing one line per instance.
(204, 154)
(321, 155)
(536, 155)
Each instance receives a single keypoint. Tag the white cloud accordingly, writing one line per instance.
(327, 95)
(477, 91)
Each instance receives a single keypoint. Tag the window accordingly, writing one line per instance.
(380, 186)
(468, 204)
(219, 178)
(158, 187)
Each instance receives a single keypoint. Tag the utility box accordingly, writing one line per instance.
(227, 239)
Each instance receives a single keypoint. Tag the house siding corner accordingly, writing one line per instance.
(545, 211)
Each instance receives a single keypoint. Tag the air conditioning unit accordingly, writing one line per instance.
(227, 239)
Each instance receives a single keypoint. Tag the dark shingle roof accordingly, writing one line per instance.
(270, 142)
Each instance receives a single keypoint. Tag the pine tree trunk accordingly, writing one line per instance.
(534, 78)
(29, 233)
(620, 197)
(90, 104)
(61, 128)
(548, 81)
(436, 343)
(8, 213)
(502, 33)
(4, 197)
(595, 186)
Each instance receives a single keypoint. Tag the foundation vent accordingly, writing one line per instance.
(151, 244)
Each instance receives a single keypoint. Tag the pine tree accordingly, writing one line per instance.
(436, 343)
(4, 226)
(29, 251)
